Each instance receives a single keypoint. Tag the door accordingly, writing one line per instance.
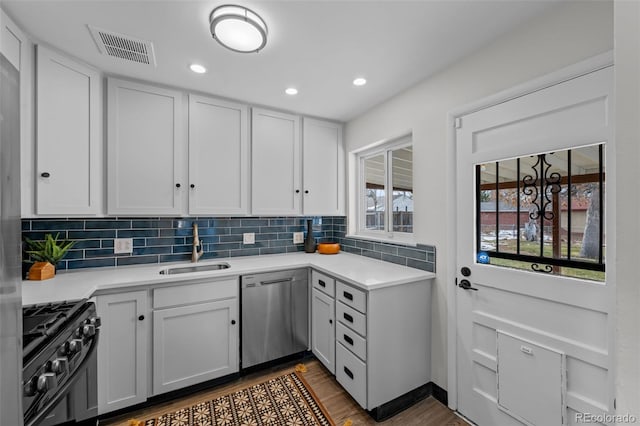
(534, 311)
(275, 163)
(323, 336)
(122, 350)
(68, 136)
(192, 344)
(323, 168)
(218, 157)
(145, 171)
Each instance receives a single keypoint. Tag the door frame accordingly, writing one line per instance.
(587, 66)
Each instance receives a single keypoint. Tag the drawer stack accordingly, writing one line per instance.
(351, 338)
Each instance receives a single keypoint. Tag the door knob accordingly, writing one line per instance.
(466, 285)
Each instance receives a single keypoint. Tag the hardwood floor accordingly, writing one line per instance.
(338, 403)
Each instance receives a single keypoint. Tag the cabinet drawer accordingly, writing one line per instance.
(351, 318)
(324, 283)
(185, 294)
(352, 341)
(351, 373)
(351, 296)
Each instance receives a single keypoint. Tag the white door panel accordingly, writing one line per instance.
(565, 322)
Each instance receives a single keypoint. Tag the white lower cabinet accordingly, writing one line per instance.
(382, 337)
(323, 340)
(195, 333)
(192, 344)
(122, 350)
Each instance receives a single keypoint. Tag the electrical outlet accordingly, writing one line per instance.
(123, 245)
(298, 237)
(248, 238)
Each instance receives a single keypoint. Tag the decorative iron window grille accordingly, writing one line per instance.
(545, 210)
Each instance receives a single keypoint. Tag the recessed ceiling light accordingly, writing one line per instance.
(359, 81)
(291, 91)
(197, 68)
(238, 28)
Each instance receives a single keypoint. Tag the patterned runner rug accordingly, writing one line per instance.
(284, 401)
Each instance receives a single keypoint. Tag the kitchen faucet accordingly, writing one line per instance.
(196, 254)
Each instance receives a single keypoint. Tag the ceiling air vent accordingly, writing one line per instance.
(123, 46)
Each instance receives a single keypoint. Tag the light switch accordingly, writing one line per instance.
(248, 238)
(298, 237)
(122, 245)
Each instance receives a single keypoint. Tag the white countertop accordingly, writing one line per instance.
(360, 271)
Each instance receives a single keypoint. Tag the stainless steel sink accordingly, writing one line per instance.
(195, 268)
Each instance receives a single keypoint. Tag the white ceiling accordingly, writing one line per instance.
(318, 46)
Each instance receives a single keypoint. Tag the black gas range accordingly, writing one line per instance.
(59, 345)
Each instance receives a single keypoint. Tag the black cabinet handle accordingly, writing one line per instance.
(233, 322)
(306, 191)
(178, 185)
(192, 186)
(45, 174)
(348, 339)
(297, 191)
(347, 317)
(141, 318)
(348, 373)
(330, 321)
(347, 295)
(322, 283)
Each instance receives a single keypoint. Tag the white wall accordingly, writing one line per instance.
(570, 33)
(627, 72)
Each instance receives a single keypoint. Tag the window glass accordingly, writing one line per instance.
(402, 182)
(375, 200)
(544, 212)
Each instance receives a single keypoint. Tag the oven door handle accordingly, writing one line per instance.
(67, 386)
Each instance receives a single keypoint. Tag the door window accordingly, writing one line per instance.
(544, 212)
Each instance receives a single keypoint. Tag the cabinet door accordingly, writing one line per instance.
(122, 350)
(145, 149)
(218, 157)
(68, 136)
(275, 163)
(192, 344)
(323, 335)
(323, 168)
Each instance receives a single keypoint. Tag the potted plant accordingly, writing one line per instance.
(46, 255)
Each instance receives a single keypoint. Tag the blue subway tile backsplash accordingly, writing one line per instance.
(157, 240)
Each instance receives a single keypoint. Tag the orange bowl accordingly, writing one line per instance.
(328, 248)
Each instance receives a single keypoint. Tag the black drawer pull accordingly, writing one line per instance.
(348, 339)
(322, 283)
(348, 373)
(347, 317)
(347, 295)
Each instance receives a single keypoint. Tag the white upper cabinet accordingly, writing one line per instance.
(323, 168)
(145, 148)
(218, 157)
(68, 137)
(276, 157)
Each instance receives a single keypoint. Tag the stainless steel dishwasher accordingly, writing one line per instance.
(275, 315)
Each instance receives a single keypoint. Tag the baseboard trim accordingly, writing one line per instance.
(401, 403)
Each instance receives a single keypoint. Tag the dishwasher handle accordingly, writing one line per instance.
(283, 280)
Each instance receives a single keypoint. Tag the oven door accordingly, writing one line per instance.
(77, 398)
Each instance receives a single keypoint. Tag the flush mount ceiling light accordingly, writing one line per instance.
(291, 91)
(238, 28)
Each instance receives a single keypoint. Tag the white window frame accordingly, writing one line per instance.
(386, 149)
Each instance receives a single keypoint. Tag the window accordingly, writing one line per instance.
(544, 212)
(385, 207)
